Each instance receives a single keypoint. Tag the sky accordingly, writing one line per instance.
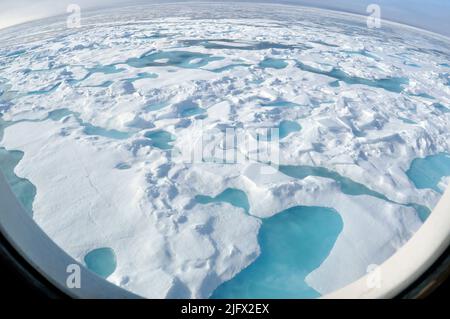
(432, 15)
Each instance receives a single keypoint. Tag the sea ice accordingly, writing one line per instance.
(94, 124)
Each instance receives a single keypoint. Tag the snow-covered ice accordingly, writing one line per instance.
(101, 113)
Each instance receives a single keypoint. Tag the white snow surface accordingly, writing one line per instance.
(166, 245)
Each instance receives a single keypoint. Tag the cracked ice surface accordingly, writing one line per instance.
(131, 84)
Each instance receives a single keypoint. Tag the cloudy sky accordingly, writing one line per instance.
(433, 15)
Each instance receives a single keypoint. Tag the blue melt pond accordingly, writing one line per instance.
(280, 103)
(22, 188)
(229, 67)
(182, 59)
(156, 106)
(191, 111)
(90, 129)
(427, 172)
(105, 69)
(441, 108)
(232, 196)
(189, 108)
(123, 166)
(102, 261)
(284, 129)
(293, 244)
(347, 186)
(389, 84)
(142, 75)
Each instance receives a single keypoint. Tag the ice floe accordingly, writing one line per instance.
(94, 123)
